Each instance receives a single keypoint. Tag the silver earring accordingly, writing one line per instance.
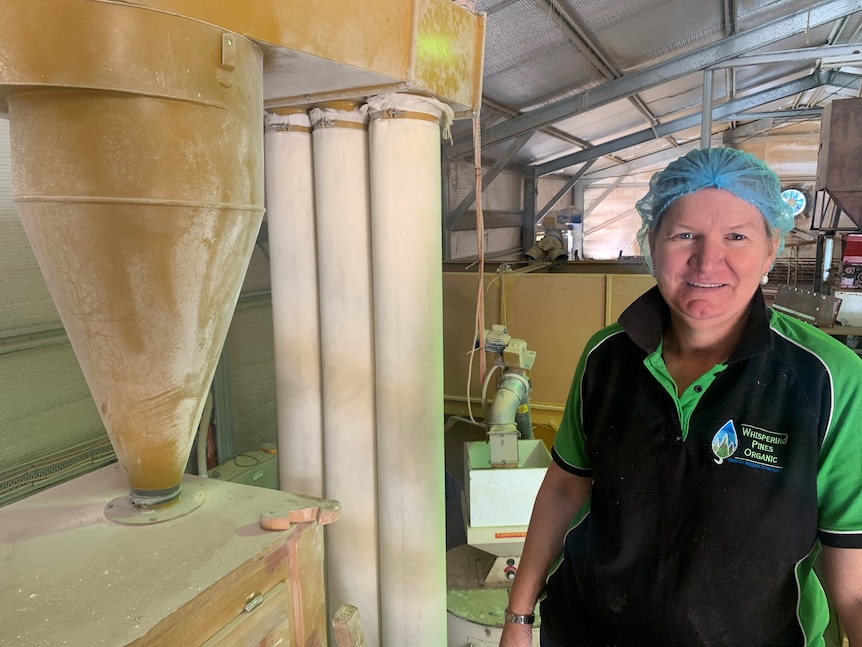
(764, 279)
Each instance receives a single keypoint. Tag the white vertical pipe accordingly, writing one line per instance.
(404, 154)
(828, 247)
(296, 323)
(340, 149)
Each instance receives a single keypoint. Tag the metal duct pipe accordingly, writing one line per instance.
(295, 301)
(340, 153)
(404, 150)
(523, 418)
(510, 409)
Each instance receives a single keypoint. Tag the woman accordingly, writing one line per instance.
(710, 449)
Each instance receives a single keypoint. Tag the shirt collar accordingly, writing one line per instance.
(645, 320)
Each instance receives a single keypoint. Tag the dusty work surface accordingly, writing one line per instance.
(72, 577)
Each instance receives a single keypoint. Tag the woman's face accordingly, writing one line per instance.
(709, 252)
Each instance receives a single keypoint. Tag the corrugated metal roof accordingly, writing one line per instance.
(630, 75)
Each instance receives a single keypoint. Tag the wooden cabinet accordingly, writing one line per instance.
(212, 577)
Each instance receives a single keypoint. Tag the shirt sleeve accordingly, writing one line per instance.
(839, 475)
(569, 451)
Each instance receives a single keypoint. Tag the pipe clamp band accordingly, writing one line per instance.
(340, 123)
(294, 128)
(393, 113)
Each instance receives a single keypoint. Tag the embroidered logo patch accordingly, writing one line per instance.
(725, 442)
(751, 446)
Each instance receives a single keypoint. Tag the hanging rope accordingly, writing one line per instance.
(479, 331)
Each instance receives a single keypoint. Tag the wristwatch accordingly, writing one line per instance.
(519, 619)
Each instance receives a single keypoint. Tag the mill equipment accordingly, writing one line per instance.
(502, 476)
(563, 239)
(138, 179)
(137, 158)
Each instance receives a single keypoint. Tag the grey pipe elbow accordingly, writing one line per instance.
(503, 416)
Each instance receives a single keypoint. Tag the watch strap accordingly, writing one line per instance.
(519, 619)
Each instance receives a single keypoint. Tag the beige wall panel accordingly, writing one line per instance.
(554, 313)
(623, 289)
(459, 308)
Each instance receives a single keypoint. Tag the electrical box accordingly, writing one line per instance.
(851, 263)
(255, 467)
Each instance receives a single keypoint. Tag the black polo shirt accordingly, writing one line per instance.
(707, 510)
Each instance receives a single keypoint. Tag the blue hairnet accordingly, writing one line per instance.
(741, 173)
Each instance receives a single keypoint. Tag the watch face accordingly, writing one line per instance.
(796, 199)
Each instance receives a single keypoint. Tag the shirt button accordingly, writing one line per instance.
(698, 388)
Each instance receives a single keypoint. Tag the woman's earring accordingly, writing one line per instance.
(764, 279)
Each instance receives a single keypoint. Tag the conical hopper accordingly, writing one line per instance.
(143, 212)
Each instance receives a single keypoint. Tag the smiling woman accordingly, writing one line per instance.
(710, 252)
(713, 222)
(708, 452)
(709, 255)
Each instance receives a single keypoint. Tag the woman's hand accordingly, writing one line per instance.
(516, 635)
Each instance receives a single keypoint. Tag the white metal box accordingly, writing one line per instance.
(500, 500)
